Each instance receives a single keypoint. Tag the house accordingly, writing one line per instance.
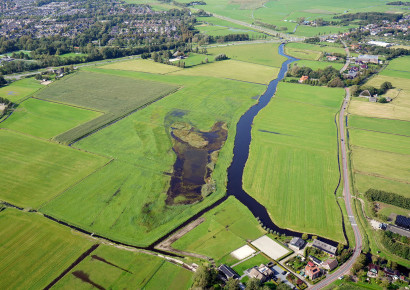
(325, 247)
(303, 79)
(330, 264)
(331, 58)
(315, 260)
(228, 272)
(373, 270)
(365, 58)
(312, 271)
(395, 274)
(254, 273)
(297, 244)
(265, 270)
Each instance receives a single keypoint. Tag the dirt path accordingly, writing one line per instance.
(166, 244)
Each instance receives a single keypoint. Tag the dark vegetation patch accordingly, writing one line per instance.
(388, 197)
(98, 258)
(86, 279)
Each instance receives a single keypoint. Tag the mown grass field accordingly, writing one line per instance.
(293, 159)
(35, 250)
(18, 90)
(263, 53)
(232, 69)
(310, 31)
(114, 95)
(214, 30)
(33, 171)
(127, 268)
(400, 64)
(226, 228)
(363, 182)
(318, 64)
(380, 125)
(34, 117)
(308, 51)
(142, 65)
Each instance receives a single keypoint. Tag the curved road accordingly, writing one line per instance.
(346, 193)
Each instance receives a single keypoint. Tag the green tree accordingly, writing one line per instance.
(253, 284)
(232, 284)
(382, 100)
(305, 236)
(202, 277)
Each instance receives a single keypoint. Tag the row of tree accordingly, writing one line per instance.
(388, 197)
(395, 246)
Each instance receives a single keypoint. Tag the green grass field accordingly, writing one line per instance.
(318, 64)
(388, 209)
(310, 31)
(252, 262)
(226, 228)
(214, 30)
(21, 89)
(34, 117)
(114, 95)
(233, 69)
(113, 268)
(73, 55)
(35, 250)
(380, 125)
(308, 51)
(293, 158)
(262, 53)
(364, 182)
(33, 171)
(142, 65)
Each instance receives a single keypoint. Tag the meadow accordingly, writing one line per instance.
(252, 262)
(293, 158)
(226, 228)
(34, 116)
(380, 125)
(113, 268)
(33, 171)
(308, 51)
(311, 31)
(363, 182)
(114, 95)
(214, 30)
(21, 89)
(315, 65)
(233, 69)
(35, 250)
(142, 65)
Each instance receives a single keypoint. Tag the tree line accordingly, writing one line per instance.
(329, 76)
(394, 243)
(388, 197)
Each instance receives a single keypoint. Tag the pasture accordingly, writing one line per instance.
(236, 70)
(213, 30)
(226, 228)
(114, 95)
(380, 125)
(308, 51)
(252, 262)
(142, 65)
(400, 64)
(35, 250)
(293, 158)
(34, 117)
(310, 31)
(363, 182)
(114, 268)
(33, 171)
(261, 53)
(319, 64)
(18, 90)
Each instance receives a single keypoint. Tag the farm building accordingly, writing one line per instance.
(324, 247)
(330, 264)
(303, 79)
(315, 260)
(373, 271)
(403, 221)
(297, 244)
(312, 270)
(365, 58)
(228, 272)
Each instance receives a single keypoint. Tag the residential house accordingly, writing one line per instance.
(325, 247)
(315, 260)
(395, 274)
(330, 264)
(366, 58)
(228, 272)
(303, 79)
(297, 244)
(373, 270)
(312, 271)
(331, 58)
(262, 273)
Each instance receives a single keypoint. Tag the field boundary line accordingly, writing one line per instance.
(364, 147)
(380, 176)
(368, 130)
(68, 104)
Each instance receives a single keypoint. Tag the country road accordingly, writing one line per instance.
(347, 197)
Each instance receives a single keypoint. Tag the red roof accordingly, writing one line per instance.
(310, 264)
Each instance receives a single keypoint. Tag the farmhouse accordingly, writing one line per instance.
(315, 260)
(228, 272)
(296, 244)
(365, 58)
(262, 273)
(330, 264)
(303, 79)
(312, 270)
(373, 270)
(324, 247)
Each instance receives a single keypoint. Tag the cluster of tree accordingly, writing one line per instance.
(328, 76)
(388, 197)
(389, 53)
(271, 26)
(398, 3)
(393, 243)
(3, 81)
(4, 101)
(220, 57)
(361, 262)
(365, 18)
(312, 40)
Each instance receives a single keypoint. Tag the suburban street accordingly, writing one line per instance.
(344, 269)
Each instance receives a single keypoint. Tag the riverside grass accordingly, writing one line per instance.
(126, 199)
(35, 250)
(293, 159)
(33, 117)
(120, 268)
(113, 95)
(34, 171)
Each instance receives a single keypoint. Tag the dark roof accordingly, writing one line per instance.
(227, 271)
(403, 221)
(315, 260)
(297, 242)
(324, 247)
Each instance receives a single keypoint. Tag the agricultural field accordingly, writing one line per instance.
(363, 182)
(264, 53)
(142, 65)
(35, 171)
(112, 268)
(293, 157)
(35, 250)
(309, 31)
(233, 69)
(380, 125)
(214, 30)
(114, 95)
(319, 64)
(308, 51)
(34, 116)
(226, 228)
(21, 89)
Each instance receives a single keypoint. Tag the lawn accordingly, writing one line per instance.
(262, 53)
(293, 159)
(114, 95)
(33, 171)
(319, 64)
(142, 65)
(21, 89)
(34, 117)
(233, 69)
(380, 125)
(113, 268)
(226, 228)
(35, 250)
(250, 263)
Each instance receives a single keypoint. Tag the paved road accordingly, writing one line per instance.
(347, 58)
(345, 268)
